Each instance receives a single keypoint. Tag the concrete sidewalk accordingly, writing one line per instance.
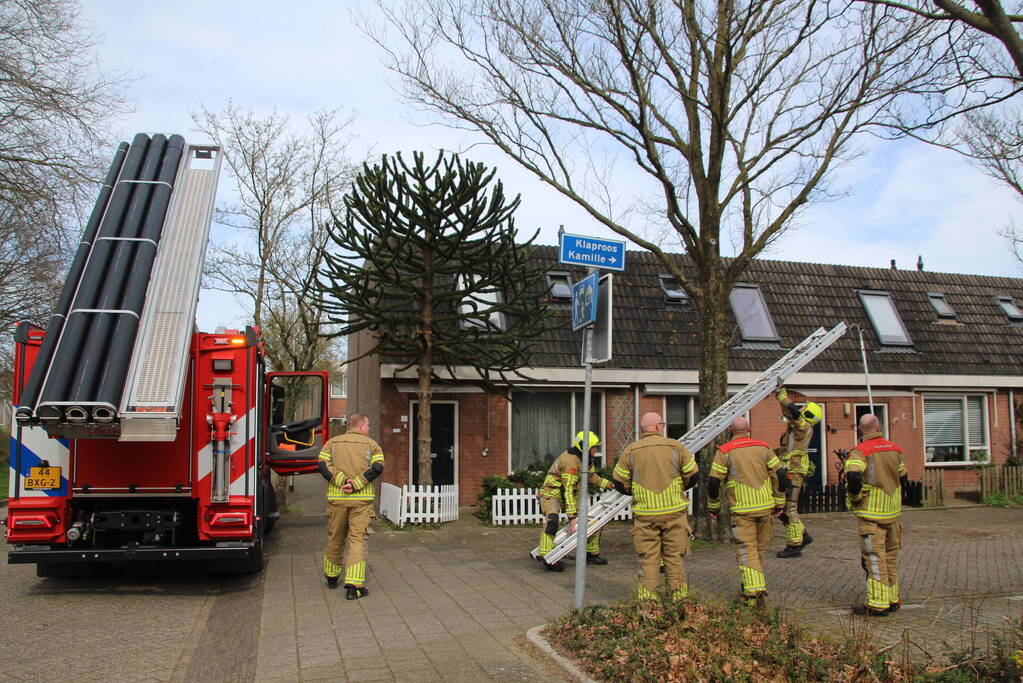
(454, 603)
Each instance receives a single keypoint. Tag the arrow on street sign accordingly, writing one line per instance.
(593, 252)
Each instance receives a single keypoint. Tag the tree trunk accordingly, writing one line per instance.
(423, 445)
(425, 371)
(713, 384)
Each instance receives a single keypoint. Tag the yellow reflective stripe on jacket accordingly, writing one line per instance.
(688, 468)
(880, 505)
(569, 482)
(773, 462)
(622, 472)
(671, 499)
(325, 455)
(718, 467)
(551, 487)
(749, 499)
(804, 461)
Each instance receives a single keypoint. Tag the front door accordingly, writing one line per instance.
(443, 430)
(815, 449)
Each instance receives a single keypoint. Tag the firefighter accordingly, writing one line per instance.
(875, 475)
(560, 491)
(656, 471)
(755, 483)
(349, 463)
(797, 463)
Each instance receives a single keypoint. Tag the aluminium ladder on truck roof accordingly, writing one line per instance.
(612, 503)
(151, 403)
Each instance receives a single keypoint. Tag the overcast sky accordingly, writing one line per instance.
(903, 199)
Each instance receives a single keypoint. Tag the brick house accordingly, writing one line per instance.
(944, 354)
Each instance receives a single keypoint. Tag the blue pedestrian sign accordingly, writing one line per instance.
(593, 252)
(584, 302)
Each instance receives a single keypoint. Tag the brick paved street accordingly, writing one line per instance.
(453, 603)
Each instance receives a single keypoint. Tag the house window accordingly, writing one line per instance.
(541, 426)
(339, 386)
(955, 430)
(751, 314)
(880, 410)
(1009, 306)
(885, 319)
(679, 414)
(672, 289)
(477, 306)
(940, 304)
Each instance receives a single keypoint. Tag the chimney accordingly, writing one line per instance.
(920, 263)
(893, 265)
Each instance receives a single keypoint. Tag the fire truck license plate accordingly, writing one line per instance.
(43, 478)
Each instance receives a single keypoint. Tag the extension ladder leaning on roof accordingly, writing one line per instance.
(612, 502)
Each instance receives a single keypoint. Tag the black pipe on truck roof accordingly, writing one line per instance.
(123, 247)
(67, 357)
(126, 327)
(92, 355)
(30, 393)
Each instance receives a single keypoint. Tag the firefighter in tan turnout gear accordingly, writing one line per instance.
(560, 491)
(797, 463)
(754, 481)
(349, 463)
(656, 471)
(875, 474)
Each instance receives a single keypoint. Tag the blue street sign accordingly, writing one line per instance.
(594, 252)
(584, 302)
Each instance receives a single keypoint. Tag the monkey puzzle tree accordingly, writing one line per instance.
(427, 262)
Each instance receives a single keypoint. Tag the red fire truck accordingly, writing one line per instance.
(136, 438)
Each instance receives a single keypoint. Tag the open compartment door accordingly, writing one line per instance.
(296, 403)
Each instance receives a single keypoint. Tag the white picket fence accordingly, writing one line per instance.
(419, 504)
(521, 506)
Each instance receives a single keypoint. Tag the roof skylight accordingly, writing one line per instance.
(941, 305)
(1009, 306)
(751, 313)
(890, 329)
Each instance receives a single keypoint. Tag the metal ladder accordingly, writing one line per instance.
(612, 503)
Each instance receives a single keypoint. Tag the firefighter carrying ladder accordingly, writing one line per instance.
(612, 503)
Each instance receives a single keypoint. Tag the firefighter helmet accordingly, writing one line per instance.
(812, 413)
(578, 443)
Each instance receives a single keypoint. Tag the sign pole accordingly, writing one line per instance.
(584, 499)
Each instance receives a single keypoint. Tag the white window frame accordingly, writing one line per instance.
(884, 423)
(690, 410)
(740, 318)
(884, 338)
(482, 299)
(344, 387)
(675, 296)
(935, 297)
(558, 275)
(985, 426)
(1009, 307)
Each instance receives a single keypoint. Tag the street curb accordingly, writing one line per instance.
(541, 643)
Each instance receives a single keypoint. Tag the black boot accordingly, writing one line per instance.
(331, 582)
(864, 611)
(556, 567)
(354, 592)
(790, 551)
(807, 540)
(595, 558)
